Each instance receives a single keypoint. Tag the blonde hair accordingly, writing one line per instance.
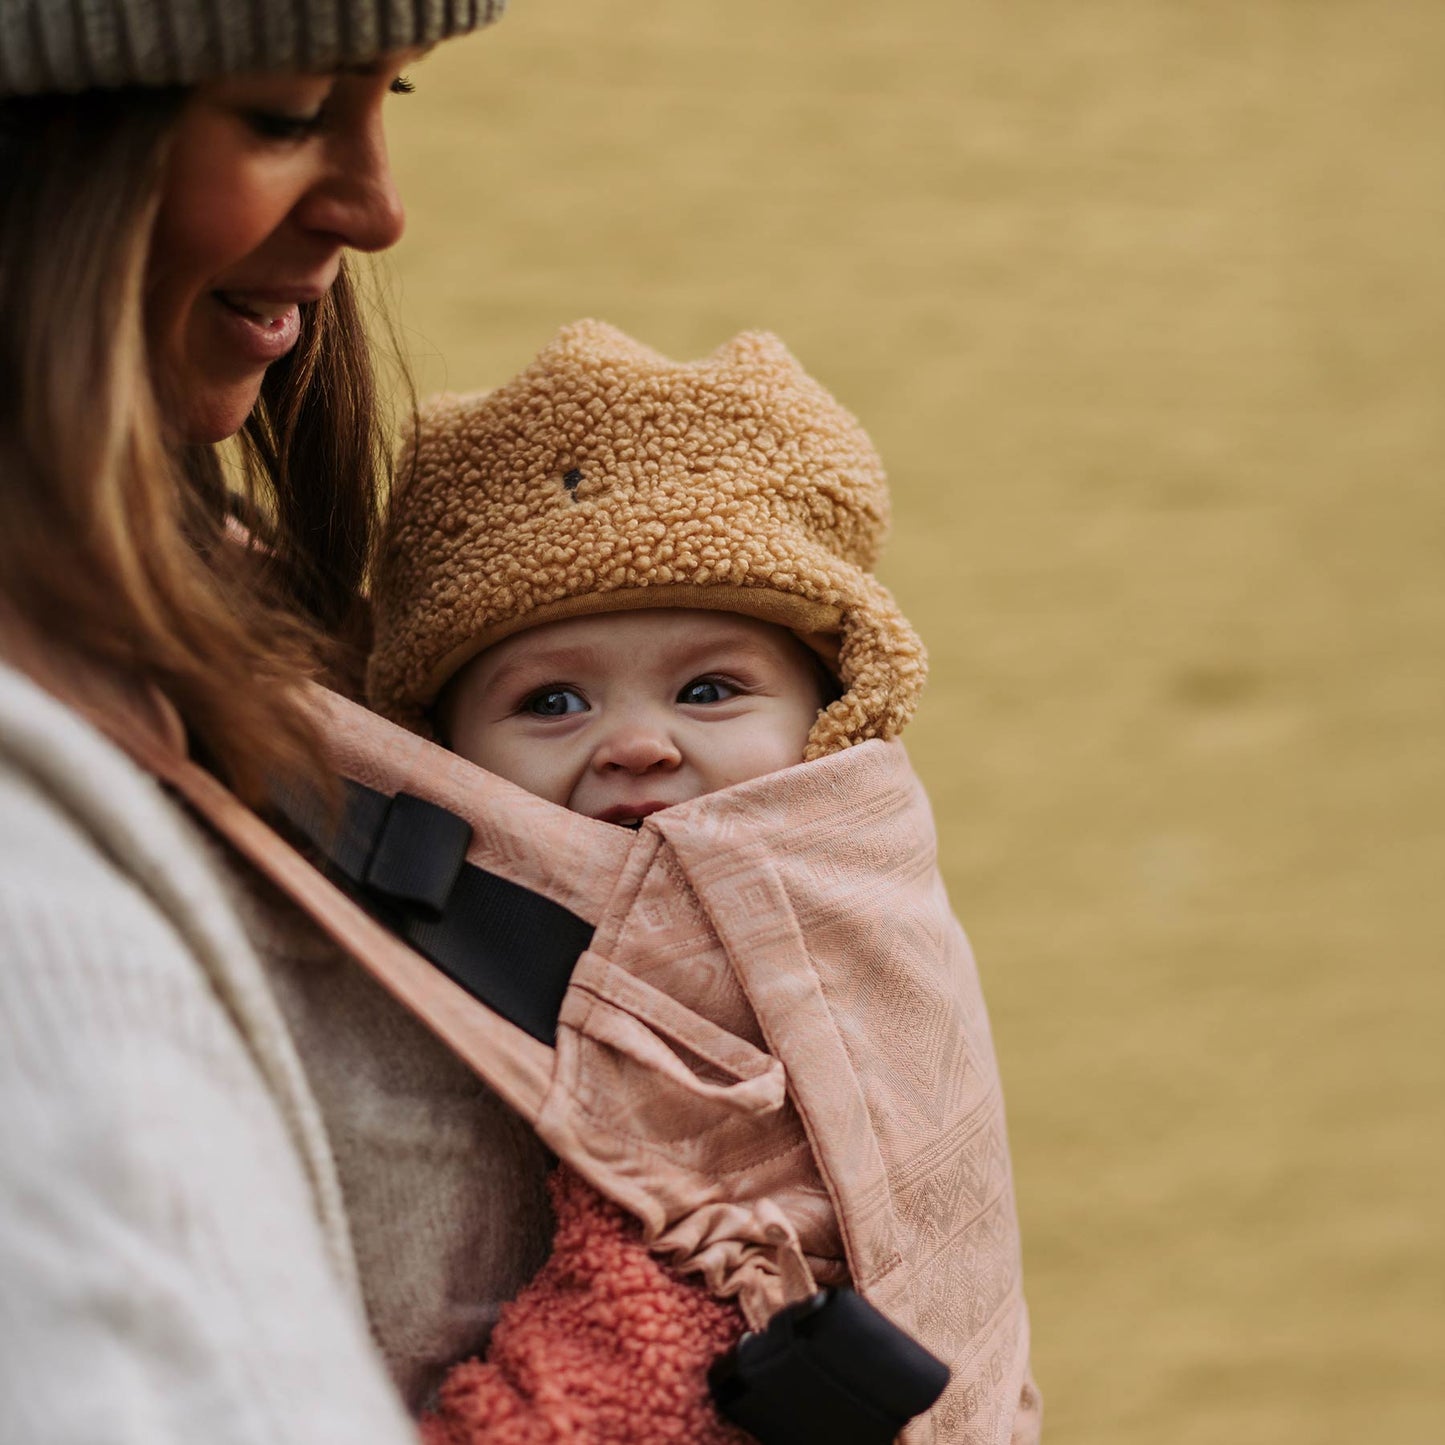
(113, 537)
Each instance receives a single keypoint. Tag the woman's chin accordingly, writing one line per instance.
(212, 414)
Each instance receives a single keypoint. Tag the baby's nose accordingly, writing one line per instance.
(637, 745)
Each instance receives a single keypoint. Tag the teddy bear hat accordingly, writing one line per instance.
(606, 477)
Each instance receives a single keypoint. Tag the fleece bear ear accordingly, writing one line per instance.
(589, 343)
(750, 349)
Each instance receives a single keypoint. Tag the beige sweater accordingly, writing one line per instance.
(243, 1197)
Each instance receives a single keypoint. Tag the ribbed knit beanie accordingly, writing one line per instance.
(72, 45)
(607, 478)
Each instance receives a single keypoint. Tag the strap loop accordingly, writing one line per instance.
(419, 852)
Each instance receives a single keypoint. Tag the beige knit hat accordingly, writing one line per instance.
(605, 478)
(72, 45)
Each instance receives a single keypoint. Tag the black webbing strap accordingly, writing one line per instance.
(404, 860)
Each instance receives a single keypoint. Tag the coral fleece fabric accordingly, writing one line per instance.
(606, 1346)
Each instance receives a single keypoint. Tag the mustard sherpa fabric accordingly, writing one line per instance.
(606, 477)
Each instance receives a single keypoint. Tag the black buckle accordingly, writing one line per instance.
(829, 1371)
(404, 860)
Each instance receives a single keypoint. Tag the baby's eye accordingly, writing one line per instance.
(707, 689)
(554, 702)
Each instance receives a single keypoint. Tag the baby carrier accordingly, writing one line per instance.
(753, 1023)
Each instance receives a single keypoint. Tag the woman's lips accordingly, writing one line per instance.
(262, 327)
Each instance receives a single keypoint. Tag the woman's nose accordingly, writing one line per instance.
(359, 203)
(637, 745)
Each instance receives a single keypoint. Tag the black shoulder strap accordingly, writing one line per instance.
(404, 860)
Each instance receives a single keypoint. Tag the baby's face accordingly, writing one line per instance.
(620, 715)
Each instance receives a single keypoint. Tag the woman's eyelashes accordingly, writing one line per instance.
(281, 125)
(276, 125)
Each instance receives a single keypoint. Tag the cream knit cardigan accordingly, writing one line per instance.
(195, 1229)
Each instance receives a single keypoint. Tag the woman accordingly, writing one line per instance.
(243, 1197)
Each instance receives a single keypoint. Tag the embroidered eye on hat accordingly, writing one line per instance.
(607, 478)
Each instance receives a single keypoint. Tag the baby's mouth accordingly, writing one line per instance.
(630, 815)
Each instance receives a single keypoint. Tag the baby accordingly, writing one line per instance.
(622, 584)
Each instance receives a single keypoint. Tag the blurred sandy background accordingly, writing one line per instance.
(1144, 303)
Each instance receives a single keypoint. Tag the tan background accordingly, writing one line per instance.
(1144, 305)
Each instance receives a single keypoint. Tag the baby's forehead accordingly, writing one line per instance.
(671, 632)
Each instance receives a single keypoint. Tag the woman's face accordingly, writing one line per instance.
(270, 178)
